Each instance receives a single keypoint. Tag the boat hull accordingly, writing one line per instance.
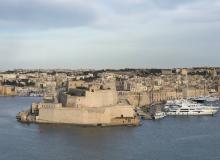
(192, 113)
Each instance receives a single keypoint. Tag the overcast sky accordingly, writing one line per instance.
(109, 33)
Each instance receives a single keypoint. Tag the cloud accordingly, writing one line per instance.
(38, 14)
(109, 34)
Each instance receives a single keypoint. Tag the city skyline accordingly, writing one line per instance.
(109, 34)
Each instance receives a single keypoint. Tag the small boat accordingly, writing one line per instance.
(141, 113)
(158, 115)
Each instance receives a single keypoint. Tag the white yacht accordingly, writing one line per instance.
(188, 108)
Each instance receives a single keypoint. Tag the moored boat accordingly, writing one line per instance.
(188, 108)
(158, 115)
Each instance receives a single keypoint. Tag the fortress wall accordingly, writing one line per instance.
(122, 111)
(73, 116)
(138, 99)
(84, 116)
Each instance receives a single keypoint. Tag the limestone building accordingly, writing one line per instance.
(7, 90)
(85, 106)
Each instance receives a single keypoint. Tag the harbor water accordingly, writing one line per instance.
(171, 138)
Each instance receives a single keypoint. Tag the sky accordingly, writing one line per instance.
(95, 34)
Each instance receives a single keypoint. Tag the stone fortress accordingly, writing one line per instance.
(83, 104)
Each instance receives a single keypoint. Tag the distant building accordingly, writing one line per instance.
(184, 71)
(166, 71)
(74, 84)
(7, 90)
